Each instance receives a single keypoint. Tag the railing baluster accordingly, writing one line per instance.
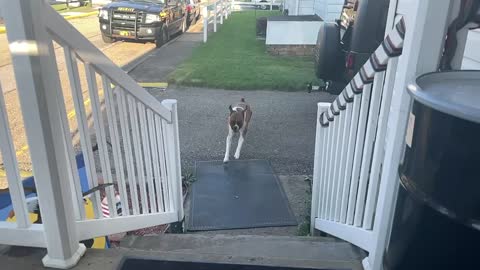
(127, 142)
(357, 163)
(368, 147)
(350, 152)
(326, 183)
(221, 11)
(325, 162)
(11, 167)
(163, 166)
(378, 151)
(331, 181)
(115, 140)
(338, 166)
(101, 137)
(205, 23)
(138, 153)
(215, 11)
(357, 159)
(147, 147)
(345, 187)
(82, 122)
(333, 169)
(322, 181)
(76, 188)
(155, 160)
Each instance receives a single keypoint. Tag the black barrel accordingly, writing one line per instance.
(437, 217)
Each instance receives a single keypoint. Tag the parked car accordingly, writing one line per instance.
(265, 4)
(344, 46)
(193, 11)
(143, 20)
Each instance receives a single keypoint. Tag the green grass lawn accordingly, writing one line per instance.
(234, 59)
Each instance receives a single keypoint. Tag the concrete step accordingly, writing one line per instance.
(309, 252)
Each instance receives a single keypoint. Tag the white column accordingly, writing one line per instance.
(426, 24)
(38, 83)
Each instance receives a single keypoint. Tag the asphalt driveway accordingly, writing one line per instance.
(282, 128)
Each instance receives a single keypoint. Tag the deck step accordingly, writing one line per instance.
(309, 252)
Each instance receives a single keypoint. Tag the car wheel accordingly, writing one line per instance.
(162, 37)
(107, 39)
(327, 53)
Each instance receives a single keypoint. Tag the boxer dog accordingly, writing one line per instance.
(238, 121)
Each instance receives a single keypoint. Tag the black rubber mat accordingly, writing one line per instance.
(147, 264)
(238, 195)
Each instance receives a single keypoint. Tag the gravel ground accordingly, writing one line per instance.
(282, 128)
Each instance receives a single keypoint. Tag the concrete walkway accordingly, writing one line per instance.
(312, 253)
(156, 66)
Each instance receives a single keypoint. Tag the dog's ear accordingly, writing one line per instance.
(230, 108)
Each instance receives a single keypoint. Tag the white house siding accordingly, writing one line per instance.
(292, 32)
(306, 7)
(471, 57)
(329, 10)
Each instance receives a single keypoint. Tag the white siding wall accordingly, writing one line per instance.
(471, 58)
(320, 8)
(292, 32)
(306, 7)
(329, 10)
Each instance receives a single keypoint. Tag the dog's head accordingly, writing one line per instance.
(236, 119)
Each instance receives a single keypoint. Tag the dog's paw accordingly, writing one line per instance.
(236, 156)
(226, 160)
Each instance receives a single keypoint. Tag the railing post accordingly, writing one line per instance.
(321, 107)
(227, 10)
(205, 23)
(172, 145)
(425, 32)
(271, 4)
(232, 5)
(221, 11)
(215, 11)
(38, 84)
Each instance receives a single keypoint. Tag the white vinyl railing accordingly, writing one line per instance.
(346, 135)
(143, 169)
(214, 13)
(350, 147)
(360, 136)
(259, 4)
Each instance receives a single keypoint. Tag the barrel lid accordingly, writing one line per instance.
(455, 93)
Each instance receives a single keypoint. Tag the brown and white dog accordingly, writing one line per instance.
(238, 121)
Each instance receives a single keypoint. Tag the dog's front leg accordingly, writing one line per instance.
(229, 143)
(239, 146)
